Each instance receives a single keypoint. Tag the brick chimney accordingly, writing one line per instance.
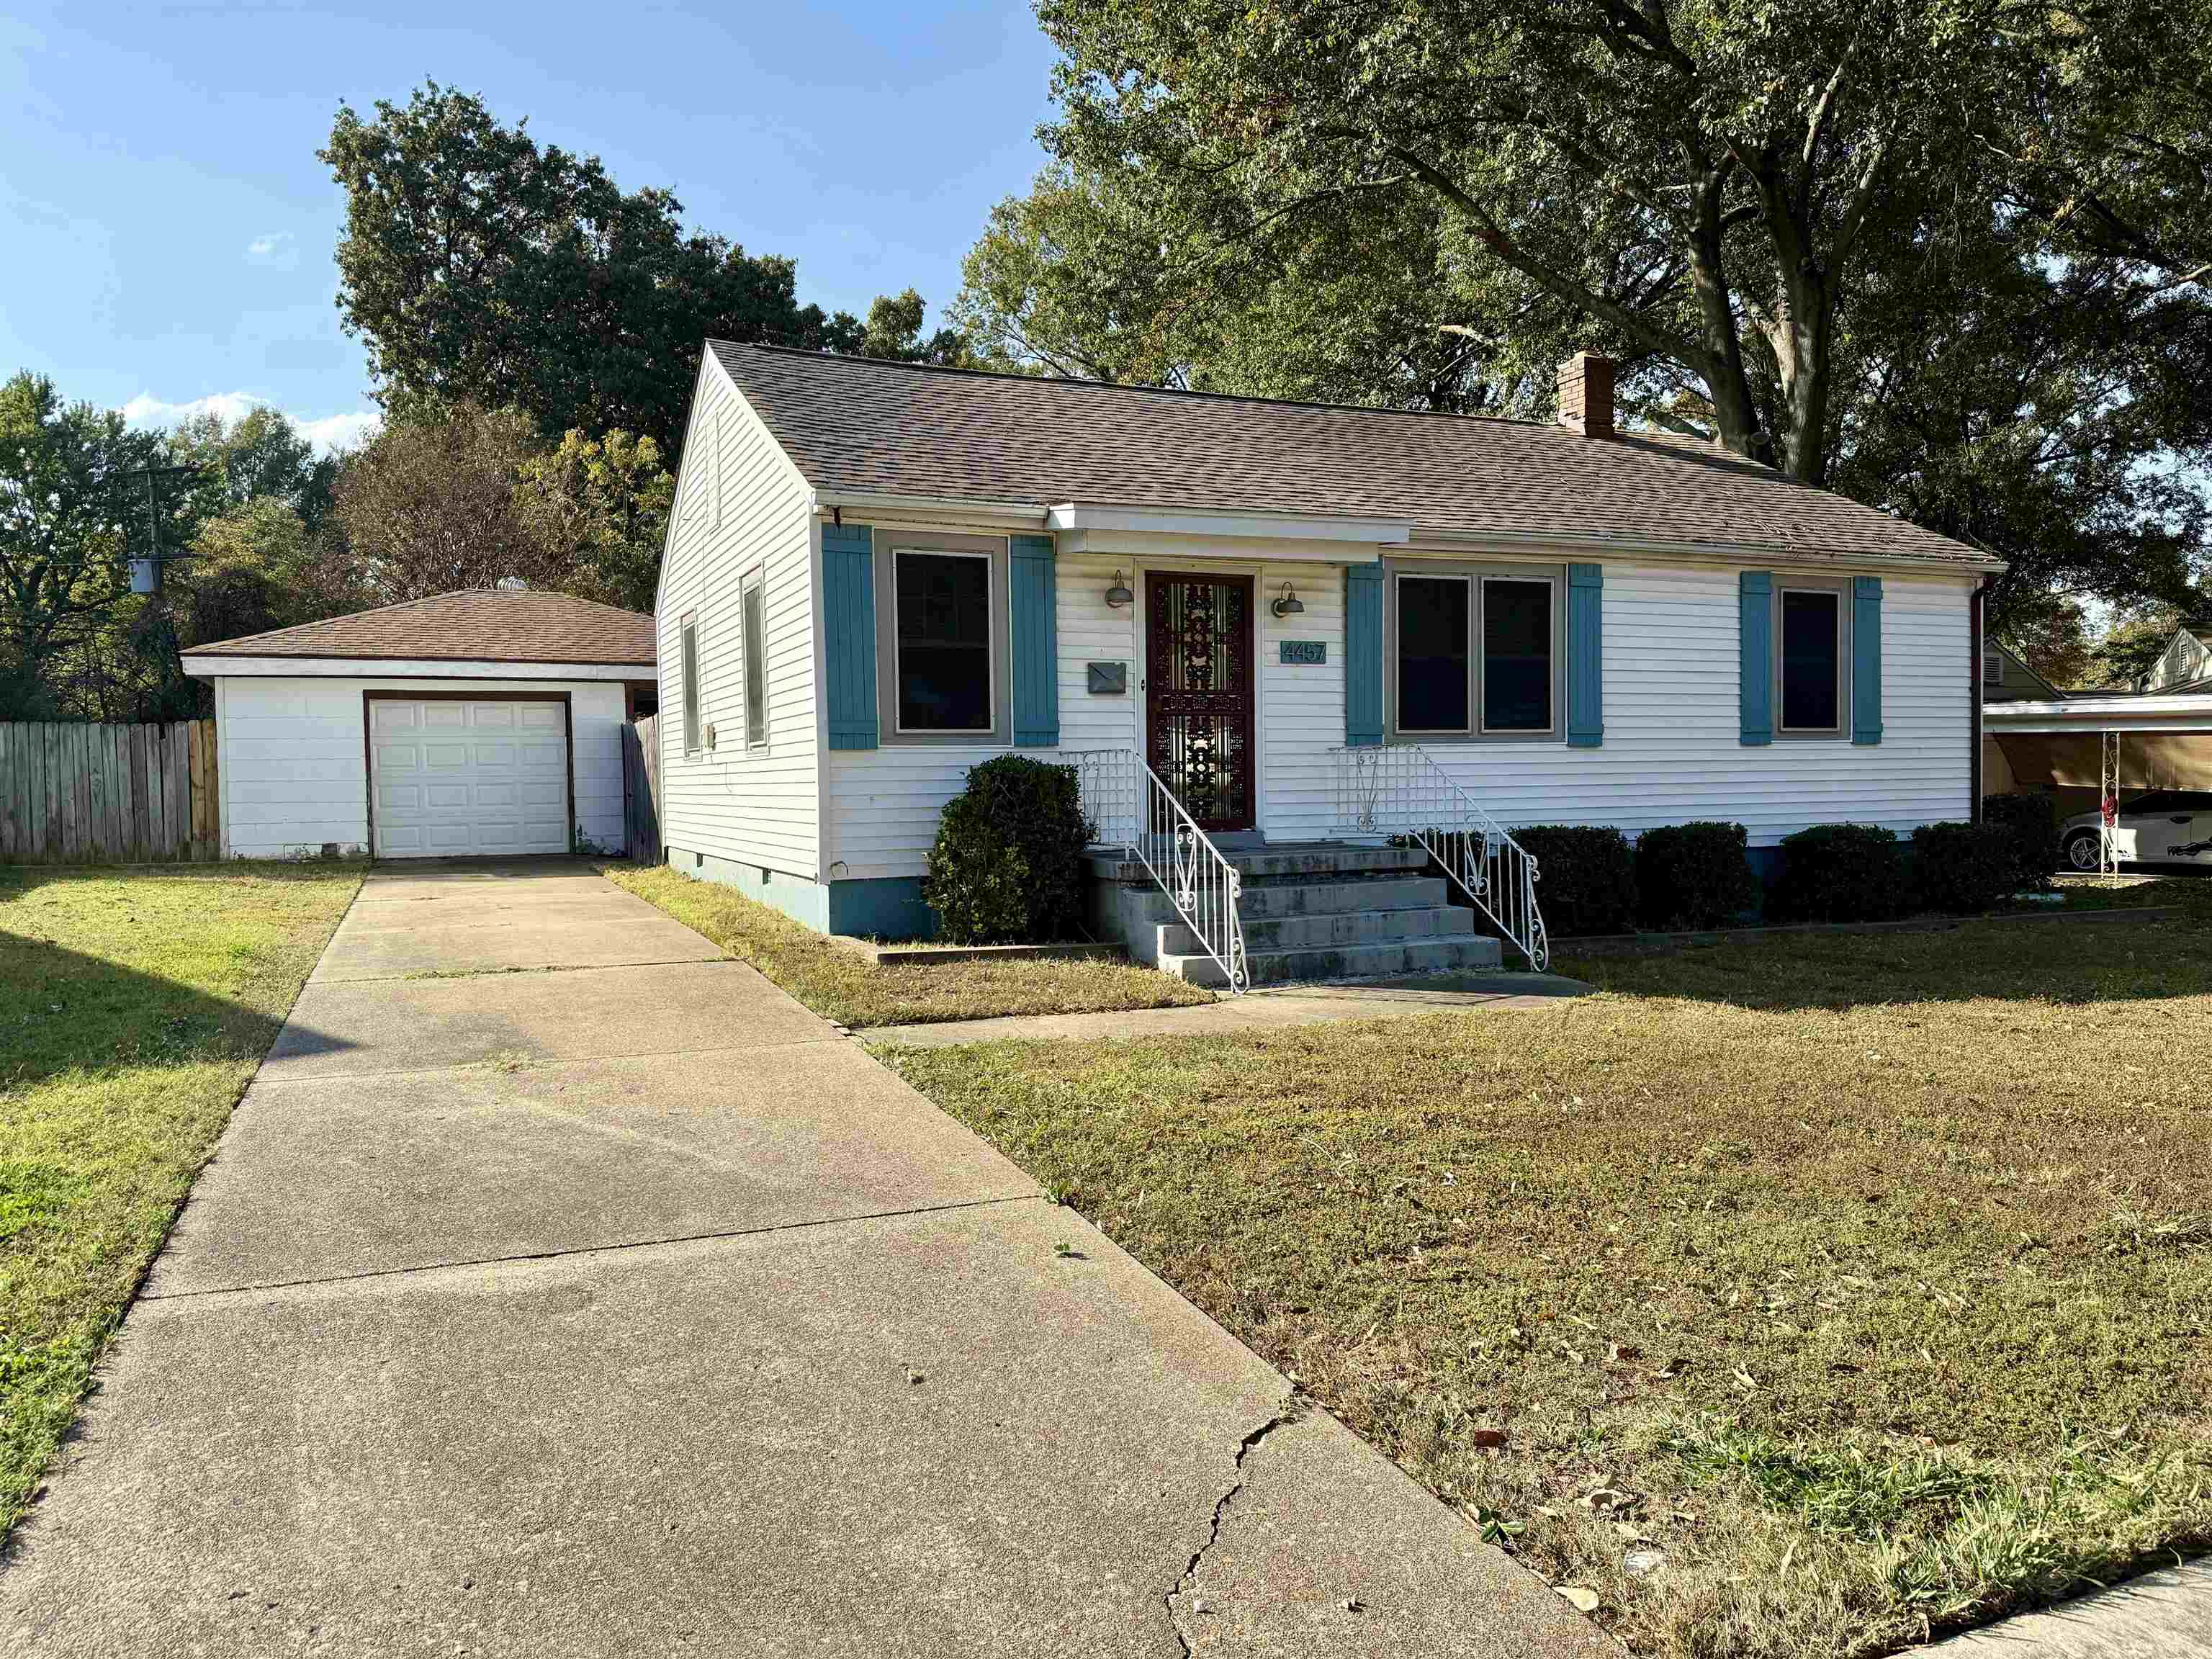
(1586, 394)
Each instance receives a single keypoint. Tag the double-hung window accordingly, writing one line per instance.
(1477, 651)
(1812, 661)
(942, 633)
(756, 644)
(690, 655)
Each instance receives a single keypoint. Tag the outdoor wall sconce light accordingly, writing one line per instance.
(1288, 603)
(1119, 594)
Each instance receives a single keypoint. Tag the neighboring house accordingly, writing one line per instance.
(2157, 734)
(2006, 677)
(878, 574)
(2185, 665)
(475, 723)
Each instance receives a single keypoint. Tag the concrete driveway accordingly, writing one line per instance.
(619, 1305)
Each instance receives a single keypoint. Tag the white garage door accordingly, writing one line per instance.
(450, 778)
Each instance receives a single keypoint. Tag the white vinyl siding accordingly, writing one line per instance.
(750, 803)
(294, 759)
(883, 804)
(1672, 752)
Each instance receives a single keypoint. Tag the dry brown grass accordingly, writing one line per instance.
(840, 983)
(1866, 1277)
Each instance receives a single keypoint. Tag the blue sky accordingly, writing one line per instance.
(167, 231)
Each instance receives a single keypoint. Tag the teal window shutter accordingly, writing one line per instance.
(849, 635)
(1756, 636)
(1036, 641)
(1362, 655)
(1866, 659)
(1585, 655)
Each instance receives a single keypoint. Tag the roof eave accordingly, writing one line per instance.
(212, 665)
(1715, 552)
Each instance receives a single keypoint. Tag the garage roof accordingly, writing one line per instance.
(493, 624)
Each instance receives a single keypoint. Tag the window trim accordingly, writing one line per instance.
(993, 550)
(693, 704)
(1840, 589)
(754, 585)
(1476, 572)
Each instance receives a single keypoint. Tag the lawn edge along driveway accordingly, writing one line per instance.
(139, 1003)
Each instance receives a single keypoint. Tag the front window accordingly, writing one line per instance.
(1477, 651)
(1517, 655)
(943, 634)
(1433, 644)
(1811, 663)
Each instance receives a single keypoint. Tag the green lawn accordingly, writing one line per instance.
(1827, 1290)
(134, 1006)
(838, 983)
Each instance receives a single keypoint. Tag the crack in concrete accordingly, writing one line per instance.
(1293, 1408)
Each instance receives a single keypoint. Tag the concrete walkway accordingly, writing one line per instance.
(2161, 1616)
(1272, 1009)
(623, 1306)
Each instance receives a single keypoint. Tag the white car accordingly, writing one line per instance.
(2166, 826)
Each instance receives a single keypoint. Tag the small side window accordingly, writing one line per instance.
(755, 663)
(691, 626)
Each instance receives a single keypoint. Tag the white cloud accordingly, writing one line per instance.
(327, 433)
(340, 431)
(279, 249)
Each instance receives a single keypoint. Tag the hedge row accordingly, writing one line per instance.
(1685, 875)
(1688, 876)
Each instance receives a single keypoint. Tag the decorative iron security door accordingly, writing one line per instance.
(1199, 694)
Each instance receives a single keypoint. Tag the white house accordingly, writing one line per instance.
(878, 574)
(467, 724)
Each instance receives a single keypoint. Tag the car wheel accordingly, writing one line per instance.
(2083, 851)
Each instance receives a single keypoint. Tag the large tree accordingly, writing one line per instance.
(603, 504)
(481, 266)
(66, 501)
(1943, 256)
(431, 505)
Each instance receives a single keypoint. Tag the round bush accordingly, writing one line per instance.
(1007, 864)
(1694, 875)
(1585, 877)
(1841, 872)
(1963, 867)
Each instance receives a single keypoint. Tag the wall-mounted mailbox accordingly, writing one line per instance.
(1109, 679)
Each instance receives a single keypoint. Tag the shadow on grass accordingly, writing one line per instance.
(65, 1011)
(2054, 961)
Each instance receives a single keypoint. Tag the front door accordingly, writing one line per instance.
(1199, 694)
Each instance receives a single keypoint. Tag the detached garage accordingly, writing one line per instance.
(481, 724)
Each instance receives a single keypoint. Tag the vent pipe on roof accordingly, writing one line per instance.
(1586, 394)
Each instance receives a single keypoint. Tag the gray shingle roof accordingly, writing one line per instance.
(492, 624)
(860, 425)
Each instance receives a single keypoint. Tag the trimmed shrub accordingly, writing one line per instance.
(1841, 872)
(1585, 877)
(1694, 875)
(1007, 867)
(1963, 867)
(2029, 824)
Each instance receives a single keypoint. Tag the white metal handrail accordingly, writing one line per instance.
(1399, 790)
(1125, 804)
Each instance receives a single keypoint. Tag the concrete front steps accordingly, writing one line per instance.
(1311, 911)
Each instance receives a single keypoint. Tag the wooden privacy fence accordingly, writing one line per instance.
(109, 794)
(642, 790)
